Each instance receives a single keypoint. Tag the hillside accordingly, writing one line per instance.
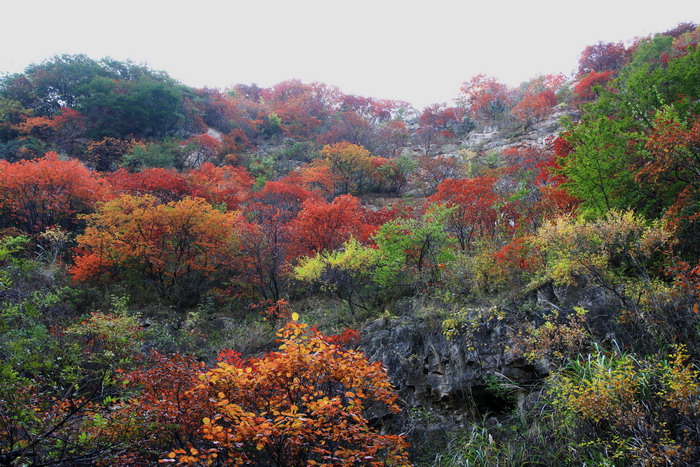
(293, 275)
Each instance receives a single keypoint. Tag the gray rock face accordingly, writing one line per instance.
(442, 384)
(445, 384)
(498, 139)
(430, 371)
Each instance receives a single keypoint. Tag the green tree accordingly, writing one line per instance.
(608, 144)
(414, 248)
(144, 108)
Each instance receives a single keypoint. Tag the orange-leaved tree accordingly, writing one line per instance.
(326, 226)
(227, 185)
(350, 164)
(164, 184)
(539, 99)
(474, 202)
(36, 194)
(182, 248)
(303, 405)
(266, 238)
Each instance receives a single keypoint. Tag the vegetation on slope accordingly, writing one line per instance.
(156, 239)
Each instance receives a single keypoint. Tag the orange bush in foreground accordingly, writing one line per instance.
(303, 405)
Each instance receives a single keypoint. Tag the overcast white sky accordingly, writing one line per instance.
(415, 51)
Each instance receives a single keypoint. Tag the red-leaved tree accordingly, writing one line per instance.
(37, 194)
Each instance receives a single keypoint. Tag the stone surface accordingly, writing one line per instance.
(442, 384)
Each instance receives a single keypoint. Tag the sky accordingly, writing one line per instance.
(417, 51)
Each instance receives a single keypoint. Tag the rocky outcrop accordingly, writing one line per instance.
(495, 139)
(428, 370)
(446, 384)
(443, 385)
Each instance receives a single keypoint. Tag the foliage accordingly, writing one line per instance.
(41, 193)
(467, 322)
(432, 171)
(228, 186)
(55, 380)
(166, 411)
(326, 226)
(9, 249)
(473, 203)
(639, 410)
(648, 106)
(111, 338)
(413, 249)
(165, 154)
(603, 56)
(202, 214)
(182, 248)
(597, 166)
(603, 250)
(106, 153)
(485, 98)
(164, 184)
(345, 272)
(350, 165)
(303, 405)
(559, 338)
(539, 99)
(586, 88)
(118, 99)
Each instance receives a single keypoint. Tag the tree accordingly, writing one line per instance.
(144, 108)
(36, 194)
(673, 147)
(326, 226)
(350, 164)
(609, 143)
(530, 185)
(11, 114)
(266, 237)
(391, 138)
(347, 272)
(238, 109)
(228, 186)
(413, 248)
(474, 208)
(348, 127)
(163, 409)
(165, 154)
(319, 178)
(59, 132)
(432, 171)
(301, 108)
(165, 184)
(598, 166)
(486, 99)
(59, 384)
(118, 99)
(603, 56)
(539, 99)
(585, 90)
(670, 166)
(106, 153)
(287, 194)
(302, 405)
(56, 83)
(205, 148)
(181, 249)
(392, 175)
